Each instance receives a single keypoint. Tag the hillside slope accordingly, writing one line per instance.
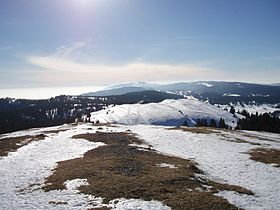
(168, 112)
(17, 114)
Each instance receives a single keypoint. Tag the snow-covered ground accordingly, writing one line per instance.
(253, 108)
(23, 173)
(168, 112)
(220, 155)
(224, 160)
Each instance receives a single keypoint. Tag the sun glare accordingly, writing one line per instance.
(84, 3)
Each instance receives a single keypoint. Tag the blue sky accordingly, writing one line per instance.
(51, 43)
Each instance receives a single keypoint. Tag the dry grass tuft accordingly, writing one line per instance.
(199, 130)
(58, 202)
(55, 131)
(118, 170)
(11, 144)
(209, 130)
(269, 156)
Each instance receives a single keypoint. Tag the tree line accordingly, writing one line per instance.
(256, 122)
(259, 122)
(209, 123)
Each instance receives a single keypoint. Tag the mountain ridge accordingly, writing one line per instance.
(212, 91)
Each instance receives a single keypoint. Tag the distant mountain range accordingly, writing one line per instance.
(275, 84)
(17, 114)
(116, 91)
(212, 91)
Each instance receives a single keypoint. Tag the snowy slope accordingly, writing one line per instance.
(253, 108)
(23, 173)
(224, 159)
(220, 155)
(168, 112)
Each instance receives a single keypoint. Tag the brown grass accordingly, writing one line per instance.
(199, 130)
(103, 124)
(209, 130)
(101, 208)
(257, 137)
(11, 144)
(58, 202)
(118, 170)
(55, 131)
(238, 140)
(226, 137)
(268, 156)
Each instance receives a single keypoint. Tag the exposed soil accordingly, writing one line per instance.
(11, 144)
(208, 130)
(118, 170)
(58, 202)
(199, 130)
(237, 140)
(242, 141)
(269, 156)
(102, 124)
(259, 138)
(101, 208)
(55, 131)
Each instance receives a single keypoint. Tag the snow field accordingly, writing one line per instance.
(222, 161)
(23, 173)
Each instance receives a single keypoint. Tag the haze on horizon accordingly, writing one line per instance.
(81, 43)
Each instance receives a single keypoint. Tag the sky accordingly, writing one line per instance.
(75, 43)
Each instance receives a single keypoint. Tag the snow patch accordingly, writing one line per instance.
(206, 84)
(137, 204)
(166, 165)
(74, 184)
(231, 94)
(223, 160)
(253, 108)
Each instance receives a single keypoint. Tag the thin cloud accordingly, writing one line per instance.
(8, 48)
(67, 67)
(62, 67)
(61, 71)
(67, 51)
(271, 58)
(188, 37)
(132, 68)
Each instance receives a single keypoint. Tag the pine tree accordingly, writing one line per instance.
(198, 122)
(213, 123)
(205, 123)
(232, 110)
(222, 123)
(185, 123)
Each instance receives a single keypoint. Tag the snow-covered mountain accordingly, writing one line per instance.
(213, 91)
(116, 91)
(167, 112)
(275, 84)
(146, 85)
